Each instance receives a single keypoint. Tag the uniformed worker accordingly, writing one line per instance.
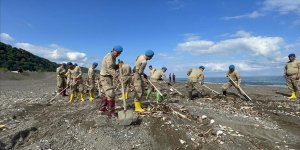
(292, 75)
(61, 79)
(125, 77)
(159, 75)
(195, 76)
(74, 75)
(138, 82)
(235, 76)
(152, 70)
(107, 74)
(92, 80)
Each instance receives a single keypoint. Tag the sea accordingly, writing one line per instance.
(253, 80)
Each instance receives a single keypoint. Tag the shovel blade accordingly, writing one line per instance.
(125, 117)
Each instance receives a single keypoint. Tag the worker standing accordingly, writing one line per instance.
(158, 76)
(195, 76)
(61, 79)
(92, 80)
(74, 75)
(292, 75)
(138, 82)
(107, 74)
(235, 76)
(125, 78)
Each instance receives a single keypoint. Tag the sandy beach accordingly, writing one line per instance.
(269, 121)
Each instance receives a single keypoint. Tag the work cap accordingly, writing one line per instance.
(75, 64)
(202, 67)
(149, 53)
(292, 55)
(231, 67)
(150, 66)
(95, 64)
(64, 64)
(69, 63)
(118, 48)
(164, 68)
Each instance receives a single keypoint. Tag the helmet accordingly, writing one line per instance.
(69, 63)
(164, 68)
(292, 55)
(95, 64)
(202, 67)
(64, 64)
(149, 53)
(118, 48)
(75, 64)
(231, 67)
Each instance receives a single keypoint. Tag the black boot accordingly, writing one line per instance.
(224, 93)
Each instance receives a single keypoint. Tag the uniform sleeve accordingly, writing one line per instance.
(285, 69)
(201, 78)
(90, 73)
(142, 67)
(298, 75)
(62, 71)
(79, 73)
(111, 66)
(57, 71)
(238, 77)
(189, 72)
(68, 74)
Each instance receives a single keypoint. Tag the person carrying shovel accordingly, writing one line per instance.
(195, 76)
(75, 81)
(125, 78)
(155, 79)
(235, 76)
(138, 82)
(92, 80)
(107, 75)
(61, 79)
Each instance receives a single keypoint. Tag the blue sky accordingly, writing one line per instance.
(256, 36)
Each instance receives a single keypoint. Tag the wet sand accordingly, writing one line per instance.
(270, 121)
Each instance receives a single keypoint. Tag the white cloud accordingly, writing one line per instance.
(6, 38)
(241, 66)
(282, 7)
(252, 15)
(241, 33)
(54, 52)
(75, 55)
(244, 42)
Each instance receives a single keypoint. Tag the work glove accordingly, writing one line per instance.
(145, 76)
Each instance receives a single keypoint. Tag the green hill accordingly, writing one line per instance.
(12, 58)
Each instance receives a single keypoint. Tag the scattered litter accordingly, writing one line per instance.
(212, 121)
(219, 132)
(204, 117)
(182, 141)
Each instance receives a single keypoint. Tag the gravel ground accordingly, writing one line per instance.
(269, 121)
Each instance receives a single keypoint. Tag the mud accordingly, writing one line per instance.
(270, 121)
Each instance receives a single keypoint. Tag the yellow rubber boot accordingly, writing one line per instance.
(293, 96)
(138, 107)
(126, 95)
(72, 97)
(90, 96)
(81, 97)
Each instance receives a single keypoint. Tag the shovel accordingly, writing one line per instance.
(243, 92)
(58, 94)
(174, 89)
(125, 116)
(210, 89)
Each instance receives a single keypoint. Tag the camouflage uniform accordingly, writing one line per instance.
(107, 74)
(138, 82)
(235, 76)
(73, 75)
(195, 76)
(126, 78)
(292, 75)
(61, 79)
(158, 75)
(91, 78)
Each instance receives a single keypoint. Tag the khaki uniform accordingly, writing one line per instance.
(61, 78)
(91, 78)
(291, 72)
(158, 75)
(195, 76)
(152, 71)
(138, 82)
(107, 74)
(126, 78)
(75, 85)
(235, 76)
